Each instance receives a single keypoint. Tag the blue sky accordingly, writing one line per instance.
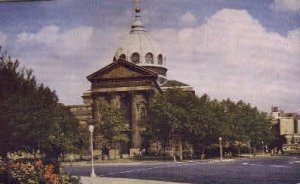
(238, 49)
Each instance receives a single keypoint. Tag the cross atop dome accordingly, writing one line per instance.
(137, 24)
(137, 5)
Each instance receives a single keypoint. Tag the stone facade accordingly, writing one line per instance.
(82, 112)
(128, 86)
(122, 84)
(287, 126)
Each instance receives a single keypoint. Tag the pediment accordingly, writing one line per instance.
(121, 72)
(121, 69)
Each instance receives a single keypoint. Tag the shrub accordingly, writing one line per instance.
(34, 172)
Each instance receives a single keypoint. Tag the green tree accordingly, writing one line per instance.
(245, 125)
(16, 89)
(260, 130)
(170, 118)
(177, 115)
(159, 127)
(62, 134)
(30, 117)
(206, 123)
(234, 121)
(111, 128)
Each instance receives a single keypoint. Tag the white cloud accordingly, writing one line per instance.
(47, 35)
(188, 19)
(63, 58)
(2, 38)
(232, 55)
(286, 5)
(73, 42)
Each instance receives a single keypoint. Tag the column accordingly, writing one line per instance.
(136, 137)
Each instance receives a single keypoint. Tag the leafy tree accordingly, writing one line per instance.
(200, 121)
(234, 123)
(62, 134)
(30, 117)
(246, 125)
(16, 87)
(159, 117)
(260, 130)
(206, 123)
(170, 118)
(111, 127)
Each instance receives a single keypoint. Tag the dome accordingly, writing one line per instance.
(139, 48)
(142, 44)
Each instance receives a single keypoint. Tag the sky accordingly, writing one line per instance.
(239, 49)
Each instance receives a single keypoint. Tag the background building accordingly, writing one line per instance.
(288, 126)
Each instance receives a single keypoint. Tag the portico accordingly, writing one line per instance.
(128, 86)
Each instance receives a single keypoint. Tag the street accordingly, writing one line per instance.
(259, 170)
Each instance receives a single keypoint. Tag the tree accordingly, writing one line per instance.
(159, 117)
(170, 118)
(177, 115)
(206, 123)
(260, 130)
(17, 86)
(62, 134)
(246, 125)
(31, 118)
(234, 121)
(111, 127)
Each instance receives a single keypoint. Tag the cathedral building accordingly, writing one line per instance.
(137, 72)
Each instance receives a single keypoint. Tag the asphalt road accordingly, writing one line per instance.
(270, 170)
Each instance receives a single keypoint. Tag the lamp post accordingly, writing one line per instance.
(91, 129)
(221, 151)
(263, 148)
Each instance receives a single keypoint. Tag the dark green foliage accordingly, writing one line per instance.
(171, 118)
(30, 117)
(201, 121)
(246, 126)
(111, 128)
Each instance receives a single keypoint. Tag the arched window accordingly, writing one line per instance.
(160, 59)
(149, 58)
(123, 56)
(135, 58)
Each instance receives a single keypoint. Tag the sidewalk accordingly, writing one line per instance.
(105, 180)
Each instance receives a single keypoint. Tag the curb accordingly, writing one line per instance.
(96, 180)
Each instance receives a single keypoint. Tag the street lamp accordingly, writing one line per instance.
(221, 152)
(91, 129)
(263, 148)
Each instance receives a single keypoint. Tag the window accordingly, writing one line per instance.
(149, 58)
(160, 59)
(123, 56)
(135, 58)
